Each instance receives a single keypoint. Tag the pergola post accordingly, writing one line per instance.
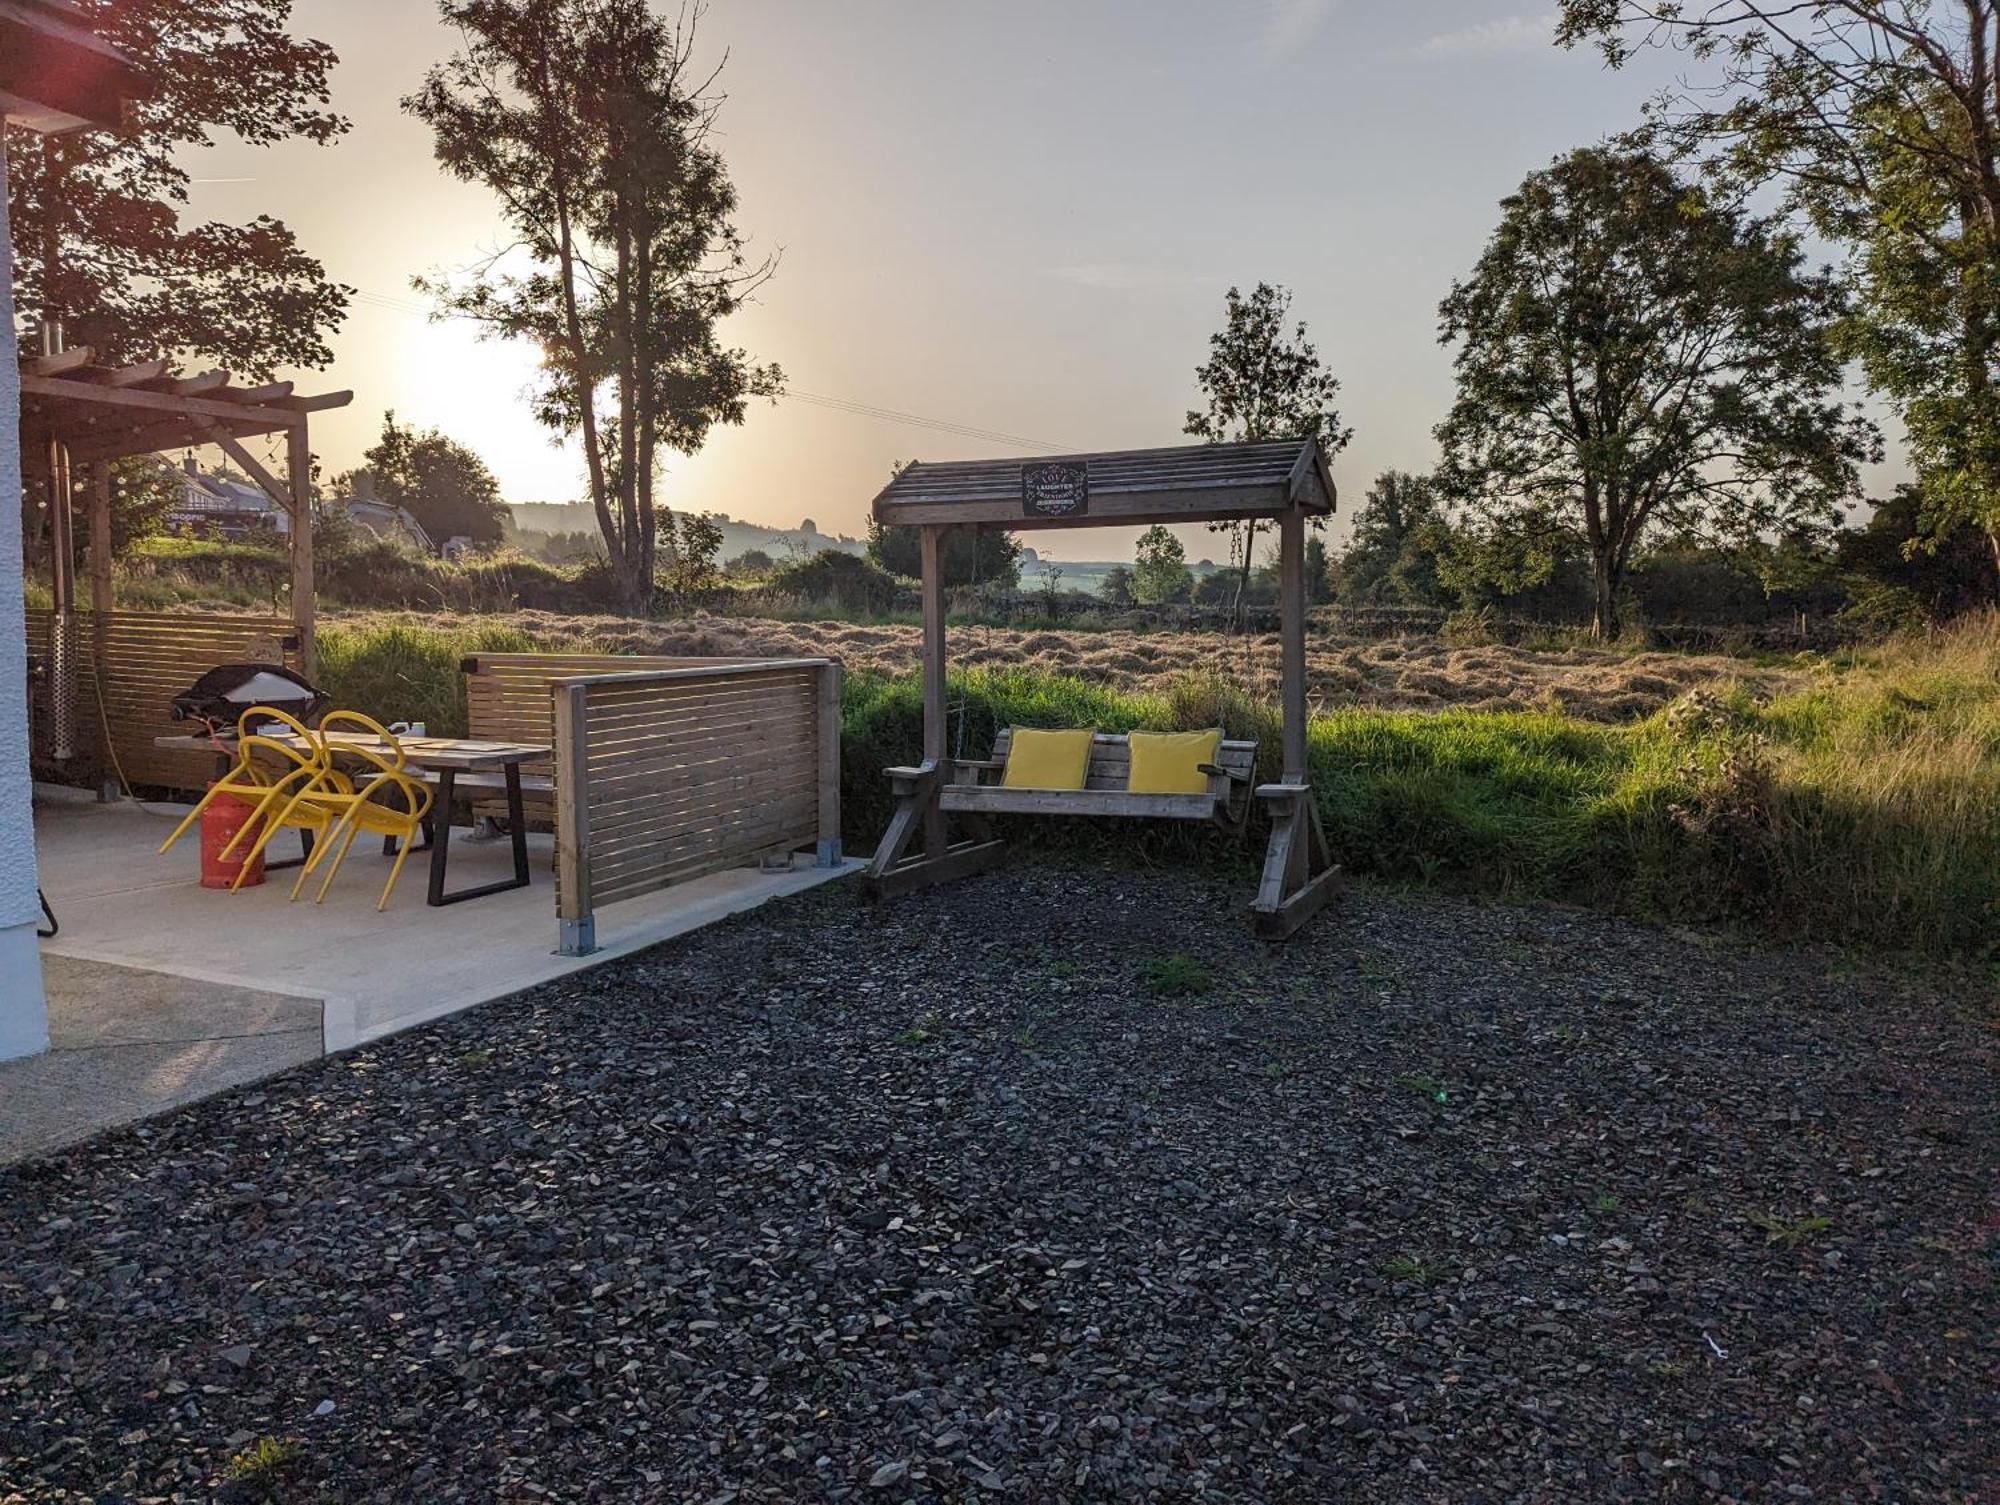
(101, 605)
(100, 550)
(298, 477)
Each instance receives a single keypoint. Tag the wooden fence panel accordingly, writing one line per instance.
(131, 664)
(664, 775)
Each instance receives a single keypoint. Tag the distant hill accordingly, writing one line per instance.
(738, 538)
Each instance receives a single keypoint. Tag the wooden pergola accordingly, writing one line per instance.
(75, 412)
(1286, 481)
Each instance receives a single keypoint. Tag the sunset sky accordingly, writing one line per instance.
(1015, 215)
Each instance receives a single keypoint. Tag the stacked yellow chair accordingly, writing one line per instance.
(362, 804)
(272, 794)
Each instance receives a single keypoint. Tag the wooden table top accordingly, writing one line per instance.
(462, 754)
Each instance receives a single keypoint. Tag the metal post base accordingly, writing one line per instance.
(827, 854)
(578, 937)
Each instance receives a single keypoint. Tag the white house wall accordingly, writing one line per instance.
(24, 1024)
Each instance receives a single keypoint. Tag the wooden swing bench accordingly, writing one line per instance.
(1226, 801)
(1285, 481)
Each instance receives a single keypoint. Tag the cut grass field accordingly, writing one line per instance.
(1856, 802)
(1399, 673)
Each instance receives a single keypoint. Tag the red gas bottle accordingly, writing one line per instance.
(221, 819)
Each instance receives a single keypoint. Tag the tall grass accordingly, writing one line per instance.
(1865, 809)
(398, 672)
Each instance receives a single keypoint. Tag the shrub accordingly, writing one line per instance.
(844, 581)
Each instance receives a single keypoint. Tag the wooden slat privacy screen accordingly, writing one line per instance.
(146, 659)
(507, 694)
(664, 775)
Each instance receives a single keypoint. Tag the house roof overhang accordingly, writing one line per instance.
(1181, 484)
(56, 74)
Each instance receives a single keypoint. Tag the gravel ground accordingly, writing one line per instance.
(979, 1195)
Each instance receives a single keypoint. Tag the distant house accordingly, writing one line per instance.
(219, 507)
(387, 520)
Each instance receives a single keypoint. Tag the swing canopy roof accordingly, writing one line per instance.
(1182, 484)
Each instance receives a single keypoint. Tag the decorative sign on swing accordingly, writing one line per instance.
(1055, 488)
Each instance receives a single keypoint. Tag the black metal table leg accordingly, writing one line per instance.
(441, 840)
(305, 853)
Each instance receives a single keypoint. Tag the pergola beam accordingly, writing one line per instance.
(59, 389)
(55, 365)
(274, 488)
(136, 375)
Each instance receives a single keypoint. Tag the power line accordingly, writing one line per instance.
(942, 425)
(815, 399)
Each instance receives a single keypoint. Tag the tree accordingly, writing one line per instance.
(1262, 382)
(98, 238)
(1319, 571)
(751, 564)
(1634, 355)
(1909, 573)
(1116, 587)
(1160, 573)
(584, 118)
(966, 556)
(1390, 558)
(1882, 119)
(691, 542)
(446, 487)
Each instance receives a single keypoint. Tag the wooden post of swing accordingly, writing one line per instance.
(934, 691)
(920, 820)
(1299, 875)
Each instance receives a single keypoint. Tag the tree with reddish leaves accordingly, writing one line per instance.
(100, 237)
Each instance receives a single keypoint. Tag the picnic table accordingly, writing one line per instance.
(440, 761)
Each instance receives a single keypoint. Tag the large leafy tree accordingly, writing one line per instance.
(1882, 118)
(445, 485)
(99, 237)
(585, 119)
(1263, 379)
(1633, 356)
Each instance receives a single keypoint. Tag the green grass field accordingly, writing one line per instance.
(1865, 810)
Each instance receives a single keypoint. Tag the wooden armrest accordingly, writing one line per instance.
(979, 762)
(1234, 775)
(921, 771)
(1282, 791)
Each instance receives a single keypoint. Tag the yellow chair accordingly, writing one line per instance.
(255, 782)
(360, 806)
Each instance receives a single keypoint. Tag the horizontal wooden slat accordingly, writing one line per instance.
(148, 658)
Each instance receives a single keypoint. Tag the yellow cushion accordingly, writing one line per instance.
(1170, 762)
(1048, 760)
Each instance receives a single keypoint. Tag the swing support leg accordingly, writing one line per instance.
(896, 869)
(1299, 875)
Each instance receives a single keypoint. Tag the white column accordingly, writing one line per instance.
(24, 1011)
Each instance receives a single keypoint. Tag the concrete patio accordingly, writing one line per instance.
(162, 991)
